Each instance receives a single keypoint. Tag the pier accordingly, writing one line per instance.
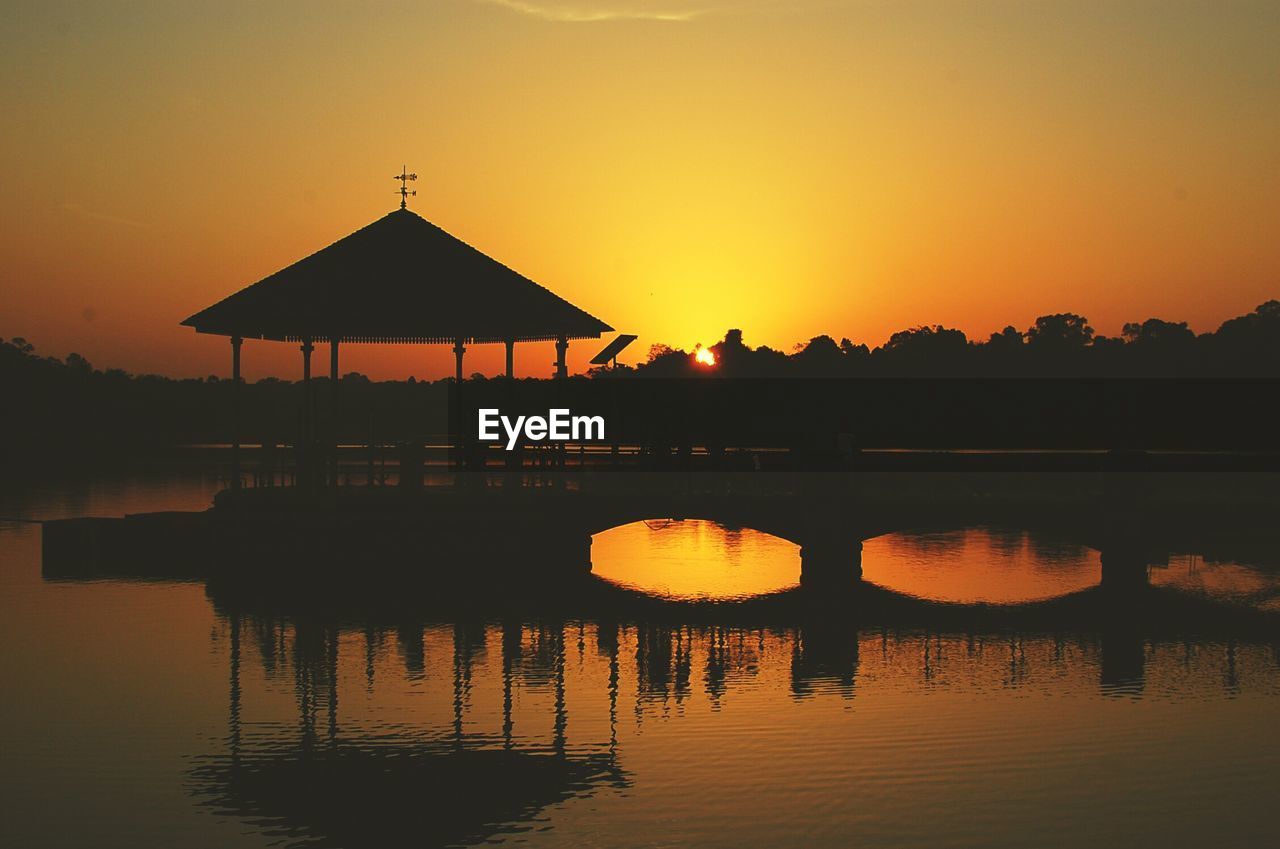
(475, 525)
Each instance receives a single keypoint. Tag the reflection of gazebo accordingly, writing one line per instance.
(416, 784)
(401, 279)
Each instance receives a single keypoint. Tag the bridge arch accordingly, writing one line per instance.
(831, 532)
(981, 563)
(602, 524)
(830, 553)
(695, 558)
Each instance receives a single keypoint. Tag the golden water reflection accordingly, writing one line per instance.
(1254, 584)
(555, 732)
(203, 716)
(698, 558)
(695, 558)
(994, 565)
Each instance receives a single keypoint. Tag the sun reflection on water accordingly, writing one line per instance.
(703, 559)
(994, 565)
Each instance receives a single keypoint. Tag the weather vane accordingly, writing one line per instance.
(404, 191)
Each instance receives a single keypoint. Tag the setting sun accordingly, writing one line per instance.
(704, 356)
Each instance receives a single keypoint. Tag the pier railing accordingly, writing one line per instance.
(437, 464)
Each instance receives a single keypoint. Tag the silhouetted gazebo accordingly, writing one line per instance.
(401, 279)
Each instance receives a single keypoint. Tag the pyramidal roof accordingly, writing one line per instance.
(400, 279)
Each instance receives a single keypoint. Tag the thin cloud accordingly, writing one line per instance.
(600, 10)
(588, 11)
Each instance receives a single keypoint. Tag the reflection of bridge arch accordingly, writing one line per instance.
(830, 532)
(830, 543)
(982, 564)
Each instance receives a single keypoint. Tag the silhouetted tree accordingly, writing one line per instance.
(77, 363)
(731, 352)
(857, 352)
(1059, 332)
(1010, 340)
(820, 356)
(926, 348)
(1249, 344)
(1154, 331)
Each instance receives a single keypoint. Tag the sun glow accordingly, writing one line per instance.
(704, 356)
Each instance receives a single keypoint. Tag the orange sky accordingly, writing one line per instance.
(676, 167)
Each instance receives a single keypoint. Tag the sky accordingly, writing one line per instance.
(674, 167)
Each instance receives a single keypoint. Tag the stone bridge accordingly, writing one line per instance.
(479, 521)
(1131, 519)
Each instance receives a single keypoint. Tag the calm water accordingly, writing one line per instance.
(157, 714)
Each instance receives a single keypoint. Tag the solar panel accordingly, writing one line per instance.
(614, 348)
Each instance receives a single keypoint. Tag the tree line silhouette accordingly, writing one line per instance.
(68, 410)
(1058, 345)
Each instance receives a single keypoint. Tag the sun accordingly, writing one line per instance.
(704, 356)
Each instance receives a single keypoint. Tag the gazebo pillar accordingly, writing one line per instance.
(511, 358)
(458, 351)
(306, 450)
(333, 410)
(562, 347)
(306, 349)
(236, 341)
